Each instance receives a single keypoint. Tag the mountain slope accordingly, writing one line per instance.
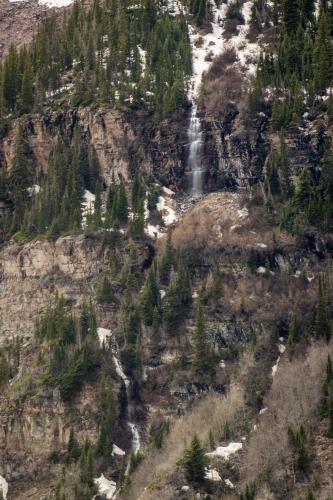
(166, 239)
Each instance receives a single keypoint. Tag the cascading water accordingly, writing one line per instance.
(136, 443)
(195, 170)
(105, 338)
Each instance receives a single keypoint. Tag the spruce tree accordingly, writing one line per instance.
(202, 358)
(150, 298)
(195, 462)
(167, 261)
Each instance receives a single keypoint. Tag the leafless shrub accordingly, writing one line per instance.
(234, 18)
(217, 69)
(220, 95)
(294, 399)
(212, 408)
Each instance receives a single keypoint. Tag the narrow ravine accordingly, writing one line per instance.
(105, 486)
(136, 442)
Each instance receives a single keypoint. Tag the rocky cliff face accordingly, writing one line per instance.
(33, 274)
(37, 428)
(123, 141)
(236, 150)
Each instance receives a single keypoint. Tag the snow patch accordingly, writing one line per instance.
(117, 451)
(3, 487)
(282, 348)
(275, 367)
(106, 487)
(168, 191)
(243, 213)
(168, 213)
(34, 190)
(226, 451)
(212, 475)
(229, 483)
(104, 334)
(261, 270)
(88, 206)
(206, 48)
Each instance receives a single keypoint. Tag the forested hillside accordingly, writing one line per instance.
(166, 217)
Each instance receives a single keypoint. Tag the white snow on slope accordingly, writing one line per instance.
(103, 335)
(225, 451)
(168, 214)
(106, 487)
(212, 475)
(117, 451)
(3, 487)
(88, 206)
(206, 48)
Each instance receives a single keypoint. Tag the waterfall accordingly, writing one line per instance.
(136, 443)
(105, 336)
(195, 171)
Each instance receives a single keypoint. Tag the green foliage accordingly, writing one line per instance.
(73, 449)
(160, 433)
(104, 291)
(195, 462)
(294, 331)
(203, 361)
(178, 300)
(167, 262)
(199, 9)
(103, 53)
(300, 444)
(108, 412)
(73, 346)
(150, 298)
(249, 493)
(87, 468)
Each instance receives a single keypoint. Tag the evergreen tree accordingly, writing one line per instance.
(150, 298)
(121, 210)
(202, 361)
(167, 261)
(73, 449)
(290, 15)
(303, 190)
(195, 462)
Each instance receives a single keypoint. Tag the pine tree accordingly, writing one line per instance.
(122, 205)
(202, 362)
(303, 190)
(322, 55)
(290, 15)
(150, 298)
(104, 291)
(167, 261)
(195, 462)
(73, 449)
(294, 331)
(27, 91)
